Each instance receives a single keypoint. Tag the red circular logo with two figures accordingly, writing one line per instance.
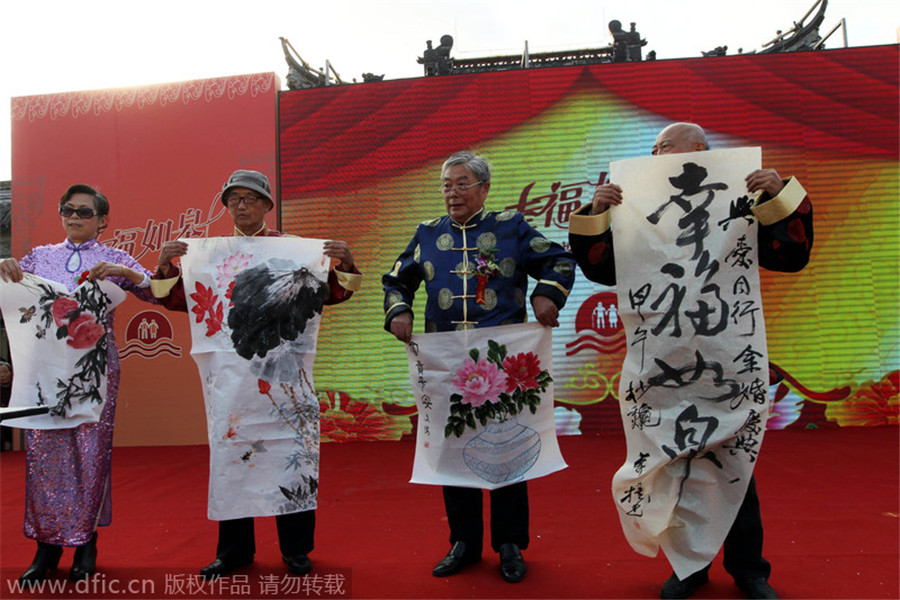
(149, 334)
(598, 326)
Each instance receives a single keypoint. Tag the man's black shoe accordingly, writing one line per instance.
(512, 565)
(455, 560)
(298, 565)
(677, 588)
(756, 587)
(222, 567)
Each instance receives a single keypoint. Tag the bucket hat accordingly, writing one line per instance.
(252, 180)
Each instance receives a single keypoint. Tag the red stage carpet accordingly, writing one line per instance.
(829, 499)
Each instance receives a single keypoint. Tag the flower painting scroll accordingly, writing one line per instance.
(485, 404)
(254, 325)
(59, 348)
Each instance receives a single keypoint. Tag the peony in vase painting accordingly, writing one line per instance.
(493, 391)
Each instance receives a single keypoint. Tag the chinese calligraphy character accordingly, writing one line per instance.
(636, 498)
(641, 463)
(632, 394)
(674, 377)
(747, 438)
(557, 206)
(749, 357)
(642, 416)
(740, 256)
(739, 209)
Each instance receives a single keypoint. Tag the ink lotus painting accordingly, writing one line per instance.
(255, 306)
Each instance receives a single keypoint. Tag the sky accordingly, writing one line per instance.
(55, 46)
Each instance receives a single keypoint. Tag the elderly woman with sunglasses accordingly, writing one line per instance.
(67, 476)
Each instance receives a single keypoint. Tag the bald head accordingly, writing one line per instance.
(680, 137)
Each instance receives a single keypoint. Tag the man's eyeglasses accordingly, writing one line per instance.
(447, 188)
(83, 212)
(249, 199)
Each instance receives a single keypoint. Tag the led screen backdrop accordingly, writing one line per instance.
(362, 163)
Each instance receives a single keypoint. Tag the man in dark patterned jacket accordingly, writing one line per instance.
(475, 266)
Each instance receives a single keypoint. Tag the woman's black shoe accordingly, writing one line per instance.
(45, 559)
(85, 562)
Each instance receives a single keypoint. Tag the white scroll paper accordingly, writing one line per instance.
(475, 390)
(255, 306)
(694, 388)
(59, 350)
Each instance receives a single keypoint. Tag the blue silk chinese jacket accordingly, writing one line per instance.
(444, 254)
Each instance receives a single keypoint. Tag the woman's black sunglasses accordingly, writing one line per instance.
(83, 212)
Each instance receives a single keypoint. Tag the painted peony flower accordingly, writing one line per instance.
(264, 386)
(876, 403)
(61, 309)
(480, 382)
(522, 371)
(346, 419)
(84, 332)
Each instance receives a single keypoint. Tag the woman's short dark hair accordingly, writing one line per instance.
(101, 204)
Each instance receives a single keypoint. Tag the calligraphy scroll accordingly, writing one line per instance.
(485, 404)
(59, 348)
(694, 388)
(254, 325)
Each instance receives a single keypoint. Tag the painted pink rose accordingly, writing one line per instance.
(84, 332)
(61, 308)
(480, 382)
(522, 371)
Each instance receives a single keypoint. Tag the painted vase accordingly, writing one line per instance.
(503, 452)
